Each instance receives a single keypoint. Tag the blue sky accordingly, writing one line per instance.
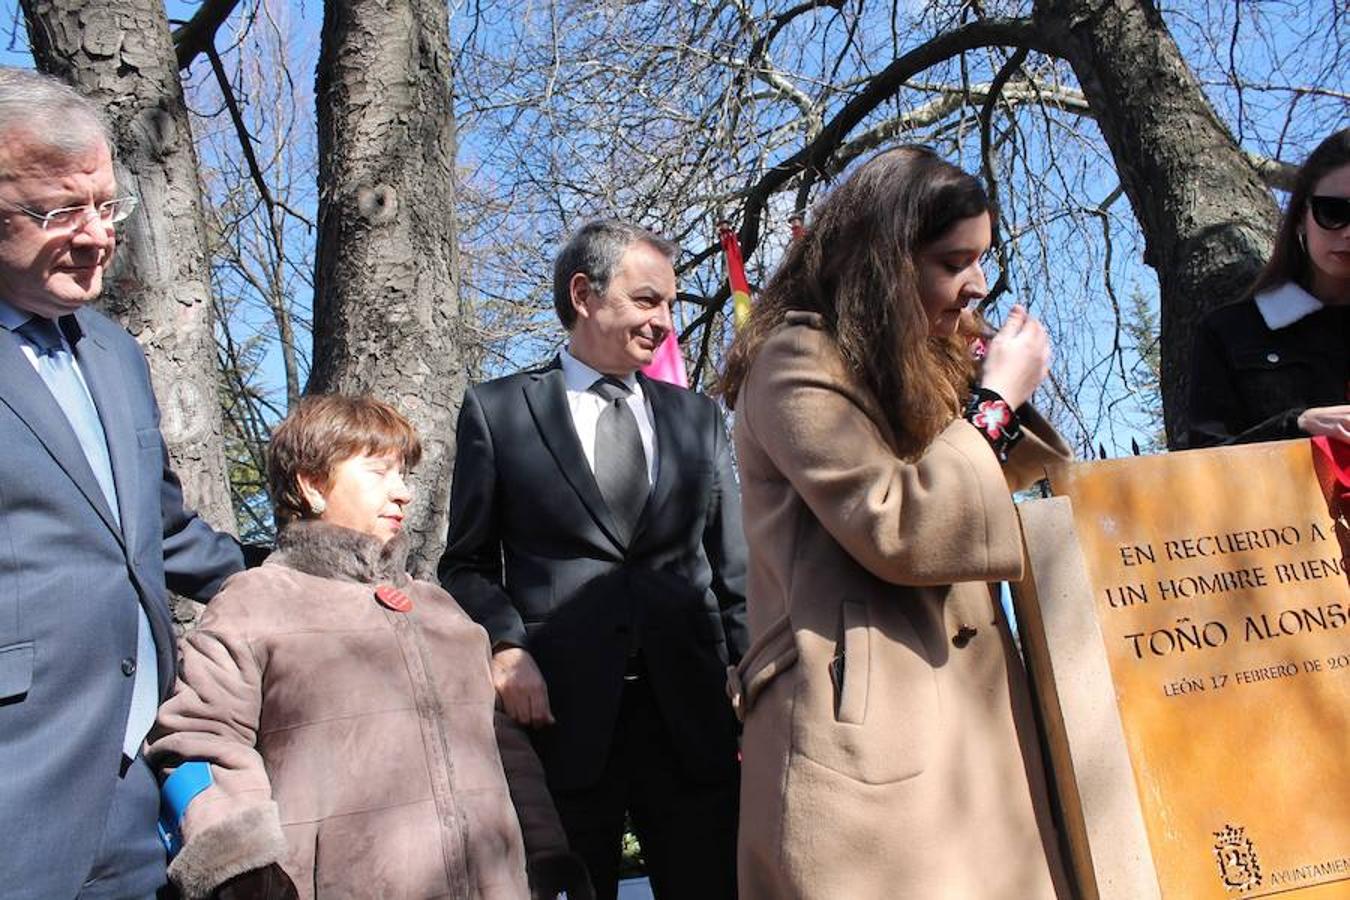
(1272, 125)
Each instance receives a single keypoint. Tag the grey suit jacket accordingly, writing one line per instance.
(70, 580)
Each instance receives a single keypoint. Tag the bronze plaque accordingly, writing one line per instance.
(1223, 602)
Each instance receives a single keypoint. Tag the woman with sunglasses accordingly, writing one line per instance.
(1276, 365)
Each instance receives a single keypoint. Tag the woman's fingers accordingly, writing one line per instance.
(1017, 318)
(1019, 357)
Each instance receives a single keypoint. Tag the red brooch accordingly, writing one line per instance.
(391, 597)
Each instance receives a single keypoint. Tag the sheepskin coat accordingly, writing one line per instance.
(351, 743)
(889, 747)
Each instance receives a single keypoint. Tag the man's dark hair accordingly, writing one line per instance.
(595, 251)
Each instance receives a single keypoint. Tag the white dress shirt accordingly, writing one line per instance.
(586, 407)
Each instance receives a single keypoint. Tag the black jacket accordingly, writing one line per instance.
(1250, 383)
(534, 556)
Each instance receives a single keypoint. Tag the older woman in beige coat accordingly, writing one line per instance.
(889, 747)
(334, 718)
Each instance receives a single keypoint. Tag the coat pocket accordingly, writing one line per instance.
(16, 670)
(1272, 379)
(866, 702)
(851, 664)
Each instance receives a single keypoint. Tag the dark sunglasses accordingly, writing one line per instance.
(1332, 213)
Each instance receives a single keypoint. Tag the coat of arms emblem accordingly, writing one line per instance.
(1239, 869)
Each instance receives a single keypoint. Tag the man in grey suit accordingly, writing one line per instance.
(92, 522)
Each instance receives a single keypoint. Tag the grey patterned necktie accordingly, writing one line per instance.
(620, 462)
(57, 368)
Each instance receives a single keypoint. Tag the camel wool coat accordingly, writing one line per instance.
(889, 747)
(353, 744)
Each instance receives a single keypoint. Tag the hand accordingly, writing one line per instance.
(1328, 421)
(521, 687)
(267, 883)
(1018, 359)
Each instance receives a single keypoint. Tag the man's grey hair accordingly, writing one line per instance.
(50, 112)
(595, 251)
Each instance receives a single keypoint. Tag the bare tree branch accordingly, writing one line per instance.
(199, 33)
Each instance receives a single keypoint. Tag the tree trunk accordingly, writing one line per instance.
(386, 307)
(1208, 220)
(119, 53)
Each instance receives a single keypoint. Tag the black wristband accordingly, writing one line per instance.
(995, 419)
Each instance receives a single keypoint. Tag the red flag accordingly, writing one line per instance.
(740, 288)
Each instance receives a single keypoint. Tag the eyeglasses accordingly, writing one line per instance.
(72, 218)
(1331, 213)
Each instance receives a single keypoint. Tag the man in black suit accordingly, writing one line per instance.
(595, 532)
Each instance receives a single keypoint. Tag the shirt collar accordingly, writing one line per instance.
(1282, 306)
(579, 377)
(12, 317)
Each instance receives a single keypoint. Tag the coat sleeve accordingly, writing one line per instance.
(1040, 446)
(471, 566)
(552, 867)
(540, 826)
(232, 826)
(941, 518)
(724, 544)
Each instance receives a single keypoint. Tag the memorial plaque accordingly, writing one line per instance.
(1206, 593)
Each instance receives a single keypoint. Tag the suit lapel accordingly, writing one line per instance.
(104, 375)
(24, 392)
(667, 454)
(547, 399)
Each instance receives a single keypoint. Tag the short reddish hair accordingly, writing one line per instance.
(323, 431)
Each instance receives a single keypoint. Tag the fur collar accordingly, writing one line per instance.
(1284, 305)
(331, 551)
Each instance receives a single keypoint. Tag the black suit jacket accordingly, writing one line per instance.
(534, 555)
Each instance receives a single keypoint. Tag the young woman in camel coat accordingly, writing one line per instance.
(889, 746)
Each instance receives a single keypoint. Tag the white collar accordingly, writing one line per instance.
(579, 377)
(1284, 305)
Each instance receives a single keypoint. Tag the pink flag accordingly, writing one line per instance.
(668, 363)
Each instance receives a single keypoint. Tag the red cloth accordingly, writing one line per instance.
(1331, 459)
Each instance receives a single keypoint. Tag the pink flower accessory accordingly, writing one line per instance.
(979, 348)
(995, 419)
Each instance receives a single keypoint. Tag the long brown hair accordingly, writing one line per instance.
(1288, 261)
(854, 265)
